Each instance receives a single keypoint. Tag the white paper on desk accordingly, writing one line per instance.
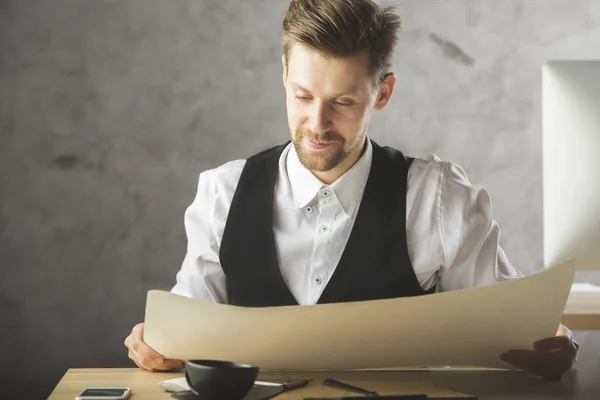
(468, 327)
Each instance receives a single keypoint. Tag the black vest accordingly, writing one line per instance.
(374, 265)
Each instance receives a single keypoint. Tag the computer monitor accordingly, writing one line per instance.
(571, 163)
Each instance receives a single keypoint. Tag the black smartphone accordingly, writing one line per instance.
(104, 393)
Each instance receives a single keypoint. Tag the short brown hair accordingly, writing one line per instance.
(343, 28)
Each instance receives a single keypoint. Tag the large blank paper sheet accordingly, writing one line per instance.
(469, 327)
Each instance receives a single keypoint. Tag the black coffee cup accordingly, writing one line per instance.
(222, 380)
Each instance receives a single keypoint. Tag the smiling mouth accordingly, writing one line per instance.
(317, 145)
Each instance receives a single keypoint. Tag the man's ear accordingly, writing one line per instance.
(386, 88)
(284, 70)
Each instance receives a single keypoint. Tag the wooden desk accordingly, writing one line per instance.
(582, 311)
(487, 385)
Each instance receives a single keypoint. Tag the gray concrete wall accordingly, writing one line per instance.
(110, 109)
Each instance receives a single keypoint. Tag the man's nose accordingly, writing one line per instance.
(319, 118)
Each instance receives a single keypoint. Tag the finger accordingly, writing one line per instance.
(145, 356)
(127, 341)
(525, 364)
(553, 370)
(528, 360)
(147, 363)
(141, 348)
(151, 365)
(550, 365)
(568, 352)
(522, 359)
(133, 357)
(172, 364)
(555, 342)
(545, 355)
(141, 366)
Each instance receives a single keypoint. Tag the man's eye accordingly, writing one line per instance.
(340, 103)
(302, 98)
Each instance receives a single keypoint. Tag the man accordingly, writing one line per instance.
(332, 216)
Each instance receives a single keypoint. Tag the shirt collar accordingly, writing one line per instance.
(348, 188)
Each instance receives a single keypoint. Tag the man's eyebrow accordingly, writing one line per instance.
(300, 87)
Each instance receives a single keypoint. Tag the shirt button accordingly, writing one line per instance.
(318, 280)
(325, 192)
(324, 229)
(308, 209)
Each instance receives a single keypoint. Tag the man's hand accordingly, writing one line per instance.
(144, 356)
(551, 357)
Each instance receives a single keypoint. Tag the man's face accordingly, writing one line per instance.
(329, 103)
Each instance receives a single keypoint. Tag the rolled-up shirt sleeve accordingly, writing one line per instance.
(201, 275)
(470, 236)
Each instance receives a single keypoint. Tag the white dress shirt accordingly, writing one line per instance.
(450, 231)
